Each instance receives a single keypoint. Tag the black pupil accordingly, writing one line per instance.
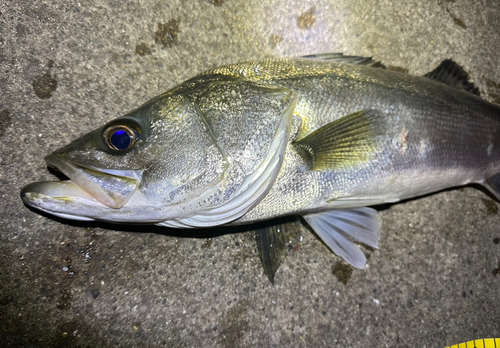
(120, 139)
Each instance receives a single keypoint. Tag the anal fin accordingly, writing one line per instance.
(339, 229)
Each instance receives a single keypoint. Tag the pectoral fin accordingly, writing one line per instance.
(347, 142)
(340, 228)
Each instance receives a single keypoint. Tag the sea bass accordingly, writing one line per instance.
(323, 137)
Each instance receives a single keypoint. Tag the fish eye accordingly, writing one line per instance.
(120, 137)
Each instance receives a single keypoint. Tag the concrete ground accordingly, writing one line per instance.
(67, 67)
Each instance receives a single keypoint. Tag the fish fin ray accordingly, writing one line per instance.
(341, 58)
(452, 74)
(340, 228)
(493, 185)
(344, 143)
(271, 244)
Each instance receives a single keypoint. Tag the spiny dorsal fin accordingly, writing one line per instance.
(452, 74)
(344, 143)
(340, 58)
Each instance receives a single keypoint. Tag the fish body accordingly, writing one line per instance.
(430, 137)
(322, 137)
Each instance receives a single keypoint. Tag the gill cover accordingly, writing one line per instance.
(250, 123)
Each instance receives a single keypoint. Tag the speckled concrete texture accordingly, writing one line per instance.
(68, 67)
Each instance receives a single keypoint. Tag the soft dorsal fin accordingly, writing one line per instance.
(452, 74)
(344, 143)
(340, 58)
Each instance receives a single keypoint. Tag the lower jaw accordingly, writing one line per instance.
(112, 189)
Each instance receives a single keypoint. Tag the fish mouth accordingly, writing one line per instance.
(95, 186)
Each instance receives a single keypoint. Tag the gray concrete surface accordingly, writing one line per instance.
(67, 67)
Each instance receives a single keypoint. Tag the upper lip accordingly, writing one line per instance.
(111, 187)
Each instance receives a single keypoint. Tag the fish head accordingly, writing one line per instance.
(170, 161)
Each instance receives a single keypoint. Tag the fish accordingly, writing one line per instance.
(324, 137)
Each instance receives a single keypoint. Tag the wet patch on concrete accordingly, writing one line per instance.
(44, 85)
(456, 20)
(342, 271)
(94, 293)
(6, 300)
(5, 121)
(233, 326)
(142, 49)
(496, 271)
(166, 35)
(490, 206)
(275, 40)
(307, 19)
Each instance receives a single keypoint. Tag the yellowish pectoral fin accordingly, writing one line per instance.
(347, 142)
